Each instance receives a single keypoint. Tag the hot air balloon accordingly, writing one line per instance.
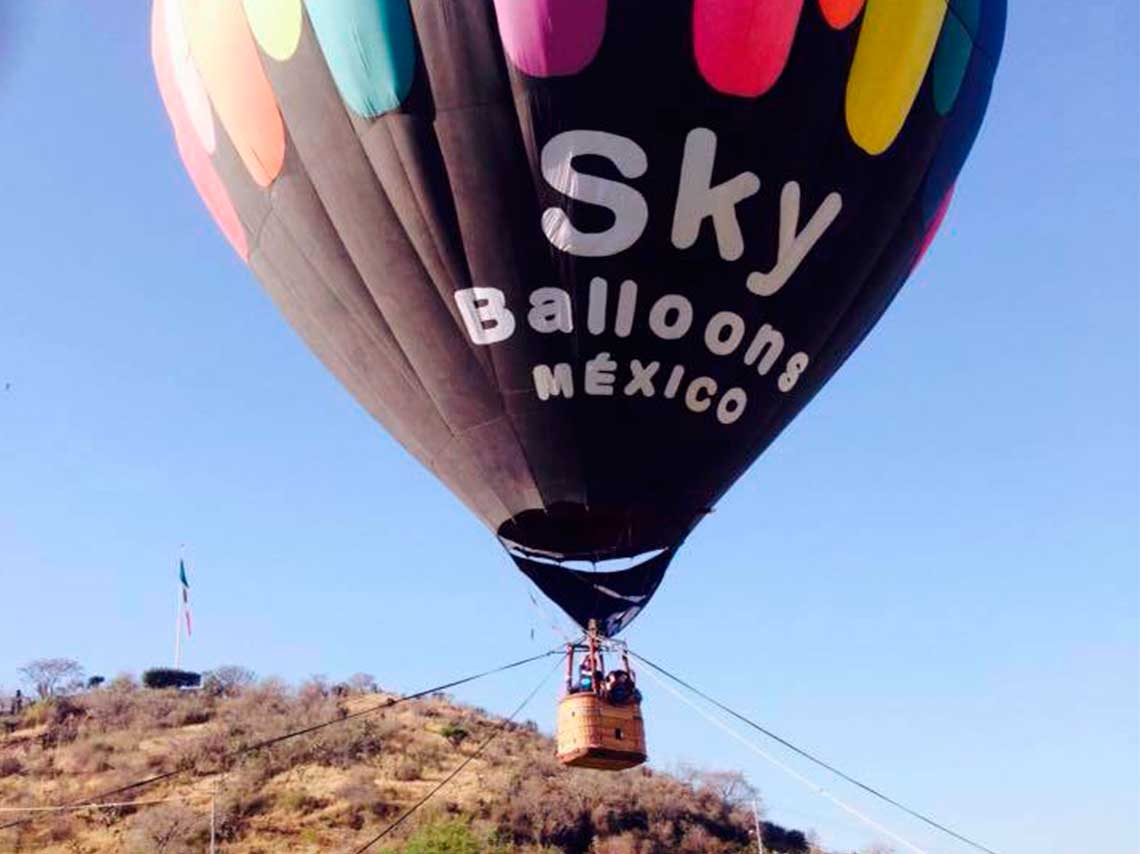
(584, 259)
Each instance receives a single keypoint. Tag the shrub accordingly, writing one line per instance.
(168, 677)
(454, 733)
(780, 839)
(61, 717)
(360, 796)
(199, 715)
(313, 691)
(407, 769)
(342, 747)
(10, 766)
(123, 683)
(112, 709)
(448, 837)
(164, 709)
(301, 802)
(169, 828)
(91, 757)
(60, 829)
(235, 809)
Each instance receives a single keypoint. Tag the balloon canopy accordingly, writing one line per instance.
(584, 259)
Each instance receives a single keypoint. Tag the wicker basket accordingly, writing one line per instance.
(593, 733)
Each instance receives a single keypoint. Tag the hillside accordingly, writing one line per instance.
(335, 789)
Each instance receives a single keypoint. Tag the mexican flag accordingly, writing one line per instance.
(185, 594)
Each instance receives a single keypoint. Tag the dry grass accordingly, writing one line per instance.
(325, 790)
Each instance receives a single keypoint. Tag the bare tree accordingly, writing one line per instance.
(228, 680)
(363, 683)
(48, 675)
(164, 830)
(731, 787)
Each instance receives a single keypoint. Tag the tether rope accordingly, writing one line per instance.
(552, 619)
(269, 742)
(103, 806)
(812, 758)
(459, 768)
(809, 783)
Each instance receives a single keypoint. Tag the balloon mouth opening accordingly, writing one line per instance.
(607, 565)
(608, 595)
(574, 532)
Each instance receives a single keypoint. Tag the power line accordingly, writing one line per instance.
(459, 769)
(269, 742)
(815, 759)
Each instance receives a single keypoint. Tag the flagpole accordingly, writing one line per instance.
(178, 631)
(178, 615)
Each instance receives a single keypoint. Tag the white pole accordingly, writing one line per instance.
(181, 608)
(178, 631)
(213, 818)
(756, 818)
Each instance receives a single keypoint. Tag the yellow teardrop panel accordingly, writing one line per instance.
(896, 43)
(276, 25)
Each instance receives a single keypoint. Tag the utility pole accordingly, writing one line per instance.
(756, 818)
(214, 819)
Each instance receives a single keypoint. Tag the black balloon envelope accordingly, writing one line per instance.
(584, 259)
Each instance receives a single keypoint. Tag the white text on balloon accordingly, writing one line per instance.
(698, 199)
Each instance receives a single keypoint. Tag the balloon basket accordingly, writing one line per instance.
(595, 733)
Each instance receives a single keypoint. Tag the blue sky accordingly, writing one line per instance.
(931, 578)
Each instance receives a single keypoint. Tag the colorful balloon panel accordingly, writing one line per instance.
(742, 45)
(935, 225)
(952, 56)
(192, 133)
(276, 24)
(227, 58)
(896, 43)
(840, 13)
(551, 38)
(584, 260)
(370, 49)
(186, 79)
